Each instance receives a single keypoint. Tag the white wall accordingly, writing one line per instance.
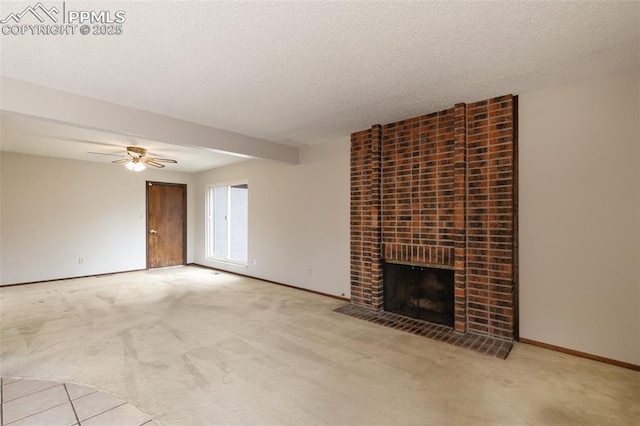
(298, 218)
(55, 211)
(579, 147)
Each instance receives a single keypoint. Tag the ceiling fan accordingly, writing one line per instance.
(137, 160)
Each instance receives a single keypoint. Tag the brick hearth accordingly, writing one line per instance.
(484, 344)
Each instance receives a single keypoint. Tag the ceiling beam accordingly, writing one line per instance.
(20, 97)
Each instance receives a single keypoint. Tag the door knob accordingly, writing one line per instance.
(153, 231)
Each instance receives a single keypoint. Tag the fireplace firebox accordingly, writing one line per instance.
(419, 292)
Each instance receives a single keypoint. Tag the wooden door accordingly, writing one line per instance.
(166, 224)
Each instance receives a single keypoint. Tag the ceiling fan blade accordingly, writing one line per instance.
(163, 160)
(85, 141)
(102, 153)
(150, 162)
(121, 161)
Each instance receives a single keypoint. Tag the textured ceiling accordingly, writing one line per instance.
(39, 137)
(310, 72)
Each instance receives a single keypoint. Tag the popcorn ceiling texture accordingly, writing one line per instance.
(311, 72)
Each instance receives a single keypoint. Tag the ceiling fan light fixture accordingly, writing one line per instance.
(136, 160)
(135, 164)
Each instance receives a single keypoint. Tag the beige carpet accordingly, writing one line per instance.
(189, 346)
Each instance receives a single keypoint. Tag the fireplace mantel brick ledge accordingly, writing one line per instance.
(440, 190)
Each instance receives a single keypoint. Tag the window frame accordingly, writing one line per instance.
(210, 225)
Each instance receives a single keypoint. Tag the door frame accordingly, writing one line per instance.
(184, 216)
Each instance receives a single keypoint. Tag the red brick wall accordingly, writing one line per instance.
(490, 216)
(418, 179)
(438, 190)
(460, 218)
(366, 247)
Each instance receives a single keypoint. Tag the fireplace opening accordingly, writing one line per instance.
(419, 292)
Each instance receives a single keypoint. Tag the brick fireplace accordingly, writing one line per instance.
(439, 191)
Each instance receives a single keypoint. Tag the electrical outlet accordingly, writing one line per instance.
(81, 260)
(254, 262)
(309, 271)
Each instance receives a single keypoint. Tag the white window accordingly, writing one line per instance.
(227, 224)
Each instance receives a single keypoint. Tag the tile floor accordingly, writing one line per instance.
(27, 402)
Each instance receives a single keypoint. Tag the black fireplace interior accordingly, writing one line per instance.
(419, 292)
